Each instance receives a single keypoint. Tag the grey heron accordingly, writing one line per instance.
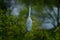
(29, 21)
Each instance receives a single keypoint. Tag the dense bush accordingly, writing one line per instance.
(14, 28)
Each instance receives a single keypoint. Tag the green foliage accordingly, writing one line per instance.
(14, 28)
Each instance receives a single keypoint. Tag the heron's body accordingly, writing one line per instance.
(29, 23)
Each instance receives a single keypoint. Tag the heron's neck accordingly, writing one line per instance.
(29, 11)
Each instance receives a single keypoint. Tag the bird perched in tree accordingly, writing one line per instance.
(29, 20)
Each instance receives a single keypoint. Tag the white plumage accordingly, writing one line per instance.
(29, 24)
(29, 21)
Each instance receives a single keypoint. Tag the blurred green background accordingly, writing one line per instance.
(14, 27)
